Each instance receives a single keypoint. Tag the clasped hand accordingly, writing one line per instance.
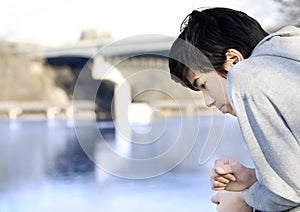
(230, 178)
(230, 175)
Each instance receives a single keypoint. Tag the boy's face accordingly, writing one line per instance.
(213, 87)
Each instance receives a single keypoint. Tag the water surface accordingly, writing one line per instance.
(43, 168)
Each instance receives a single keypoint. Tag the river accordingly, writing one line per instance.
(44, 168)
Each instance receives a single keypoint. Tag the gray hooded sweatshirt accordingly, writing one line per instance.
(264, 91)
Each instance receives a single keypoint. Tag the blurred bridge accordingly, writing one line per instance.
(144, 56)
(154, 45)
(147, 54)
(128, 56)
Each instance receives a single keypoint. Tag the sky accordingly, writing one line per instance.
(55, 22)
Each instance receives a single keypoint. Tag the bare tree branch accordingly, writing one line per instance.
(290, 9)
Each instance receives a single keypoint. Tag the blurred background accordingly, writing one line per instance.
(50, 48)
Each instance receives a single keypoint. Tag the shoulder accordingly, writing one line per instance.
(263, 74)
(260, 74)
(247, 76)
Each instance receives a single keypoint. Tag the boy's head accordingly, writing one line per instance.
(206, 38)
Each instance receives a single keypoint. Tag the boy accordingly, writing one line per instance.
(244, 71)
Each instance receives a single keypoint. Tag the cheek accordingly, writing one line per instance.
(217, 89)
(222, 89)
(222, 96)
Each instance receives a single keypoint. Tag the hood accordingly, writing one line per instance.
(283, 43)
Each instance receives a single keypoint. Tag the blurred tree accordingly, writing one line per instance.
(290, 9)
(25, 79)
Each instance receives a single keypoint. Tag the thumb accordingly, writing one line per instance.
(224, 169)
(233, 168)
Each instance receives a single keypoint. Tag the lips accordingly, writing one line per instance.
(222, 108)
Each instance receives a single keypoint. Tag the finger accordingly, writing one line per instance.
(222, 170)
(218, 184)
(222, 165)
(216, 173)
(224, 160)
(225, 178)
(218, 188)
(216, 198)
(222, 179)
(218, 181)
(216, 176)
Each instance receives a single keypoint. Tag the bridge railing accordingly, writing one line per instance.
(15, 110)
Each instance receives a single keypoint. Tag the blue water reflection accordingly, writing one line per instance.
(43, 168)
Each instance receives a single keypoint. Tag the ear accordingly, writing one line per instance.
(233, 56)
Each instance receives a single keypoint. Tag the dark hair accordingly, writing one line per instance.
(207, 35)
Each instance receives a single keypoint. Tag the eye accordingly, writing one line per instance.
(199, 84)
(203, 86)
(191, 86)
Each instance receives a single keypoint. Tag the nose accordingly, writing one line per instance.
(209, 101)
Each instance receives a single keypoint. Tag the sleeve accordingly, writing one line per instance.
(261, 198)
(269, 118)
(275, 153)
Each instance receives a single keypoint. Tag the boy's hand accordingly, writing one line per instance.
(230, 175)
(230, 202)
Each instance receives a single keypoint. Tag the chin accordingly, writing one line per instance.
(229, 110)
(231, 113)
